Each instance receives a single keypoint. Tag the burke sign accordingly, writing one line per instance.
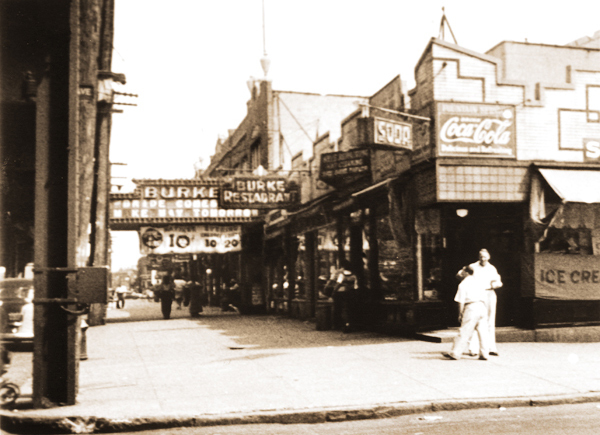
(259, 193)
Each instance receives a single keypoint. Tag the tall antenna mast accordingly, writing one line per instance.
(443, 24)
(265, 62)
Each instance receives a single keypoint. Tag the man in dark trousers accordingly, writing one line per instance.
(344, 296)
(167, 291)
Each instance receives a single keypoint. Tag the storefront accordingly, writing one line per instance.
(561, 279)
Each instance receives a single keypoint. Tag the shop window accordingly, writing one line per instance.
(327, 259)
(300, 290)
(395, 263)
(430, 246)
(431, 255)
(567, 241)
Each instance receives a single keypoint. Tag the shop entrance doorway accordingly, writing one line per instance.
(497, 228)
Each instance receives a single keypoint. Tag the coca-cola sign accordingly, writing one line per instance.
(482, 130)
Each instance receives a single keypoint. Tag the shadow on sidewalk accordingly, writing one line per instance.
(276, 332)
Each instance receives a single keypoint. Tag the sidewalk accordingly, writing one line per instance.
(229, 369)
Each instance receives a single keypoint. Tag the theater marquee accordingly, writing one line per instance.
(194, 201)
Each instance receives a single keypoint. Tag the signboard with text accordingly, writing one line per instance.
(392, 133)
(476, 130)
(261, 193)
(567, 277)
(344, 166)
(190, 239)
(154, 202)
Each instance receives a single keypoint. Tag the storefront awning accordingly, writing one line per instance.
(574, 185)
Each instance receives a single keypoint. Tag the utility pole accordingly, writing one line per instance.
(55, 362)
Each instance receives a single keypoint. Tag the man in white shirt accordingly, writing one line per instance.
(490, 279)
(472, 315)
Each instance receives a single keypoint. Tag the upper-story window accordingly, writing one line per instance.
(255, 154)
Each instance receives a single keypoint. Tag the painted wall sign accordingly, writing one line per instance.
(567, 277)
(394, 133)
(190, 239)
(259, 193)
(344, 165)
(591, 150)
(476, 130)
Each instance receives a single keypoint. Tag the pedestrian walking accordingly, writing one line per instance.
(179, 285)
(166, 294)
(472, 315)
(490, 279)
(120, 292)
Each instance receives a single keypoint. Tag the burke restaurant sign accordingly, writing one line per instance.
(259, 193)
(476, 130)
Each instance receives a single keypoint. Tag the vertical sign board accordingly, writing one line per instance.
(190, 239)
(476, 130)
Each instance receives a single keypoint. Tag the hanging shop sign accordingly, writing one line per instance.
(476, 130)
(392, 133)
(190, 239)
(173, 201)
(344, 166)
(260, 193)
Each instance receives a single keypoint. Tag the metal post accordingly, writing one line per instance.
(55, 367)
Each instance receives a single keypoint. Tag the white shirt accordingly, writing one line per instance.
(487, 275)
(470, 290)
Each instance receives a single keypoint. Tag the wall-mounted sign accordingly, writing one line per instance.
(591, 150)
(392, 133)
(259, 193)
(344, 166)
(388, 163)
(190, 239)
(174, 201)
(567, 277)
(476, 130)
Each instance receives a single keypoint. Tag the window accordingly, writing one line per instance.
(327, 256)
(567, 241)
(255, 154)
(301, 268)
(395, 262)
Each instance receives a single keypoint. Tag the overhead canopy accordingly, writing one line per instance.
(578, 193)
(574, 185)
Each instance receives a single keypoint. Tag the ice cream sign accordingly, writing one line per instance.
(475, 130)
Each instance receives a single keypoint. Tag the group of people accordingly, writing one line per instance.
(184, 293)
(476, 297)
(190, 294)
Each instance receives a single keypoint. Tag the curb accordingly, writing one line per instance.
(89, 425)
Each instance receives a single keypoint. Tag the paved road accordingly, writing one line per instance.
(583, 419)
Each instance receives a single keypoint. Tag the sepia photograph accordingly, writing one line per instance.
(299, 217)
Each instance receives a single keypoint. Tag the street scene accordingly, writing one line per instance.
(318, 212)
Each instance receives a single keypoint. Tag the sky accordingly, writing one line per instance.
(189, 60)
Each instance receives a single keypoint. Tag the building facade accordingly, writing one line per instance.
(503, 155)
